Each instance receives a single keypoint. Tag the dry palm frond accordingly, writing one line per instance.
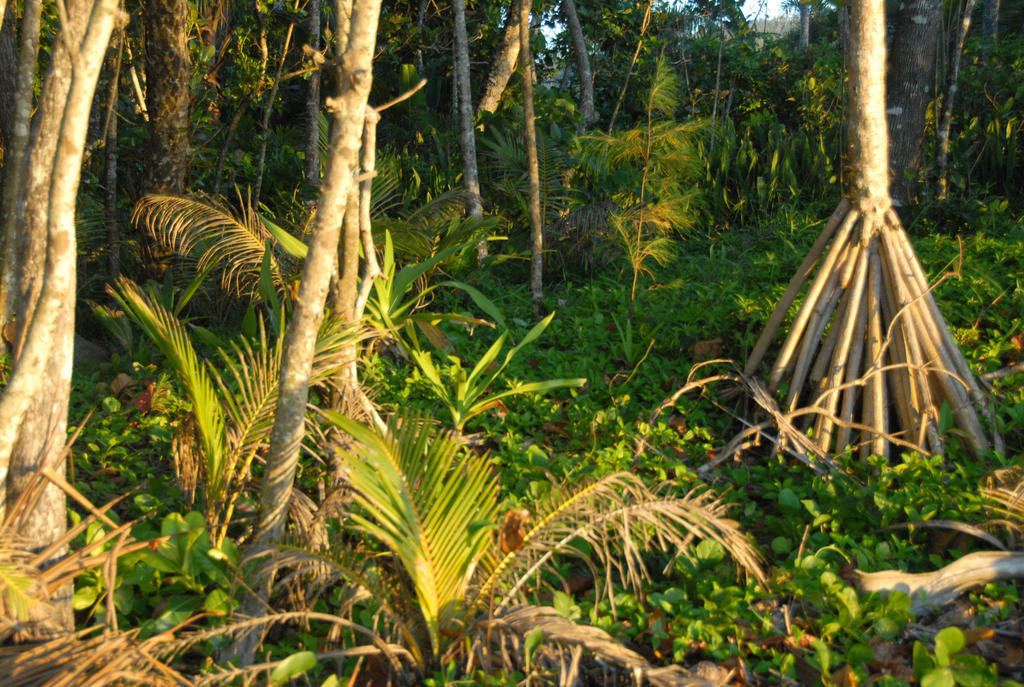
(620, 517)
(206, 231)
(560, 650)
(92, 657)
(88, 658)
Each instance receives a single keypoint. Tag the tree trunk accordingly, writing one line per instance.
(467, 134)
(869, 359)
(33, 405)
(504, 63)
(355, 76)
(866, 121)
(532, 161)
(805, 25)
(268, 109)
(579, 44)
(110, 162)
(909, 90)
(167, 94)
(17, 118)
(990, 20)
(949, 98)
(313, 101)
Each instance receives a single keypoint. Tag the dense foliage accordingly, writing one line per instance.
(532, 463)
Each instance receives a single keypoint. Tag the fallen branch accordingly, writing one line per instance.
(934, 589)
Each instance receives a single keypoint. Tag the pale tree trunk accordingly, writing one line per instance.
(33, 405)
(349, 108)
(805, 25)
(167, 94)
(869, 359)
(355, 75)
(532, 161)
(909, 89)
(949, 98)
(467, 134)
(313, 100)
(579, 44)
(20, 68)
(504, 63)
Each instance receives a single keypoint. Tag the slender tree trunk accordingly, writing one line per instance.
(866, 119)
(313, 101)
(268, 109)
(909, 89)
(949, 98)
(167, 94)
(805, 25)
(467, 134)
(532, 161)
(33, 405)
(579, 45)
(990, 20)
(629, 72)
(110, 162)
(355, 76)
(15, 244)
(504, 63)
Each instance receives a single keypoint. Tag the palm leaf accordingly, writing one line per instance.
(432, 512)
(619, 517)
(204, 230)
(170, 336)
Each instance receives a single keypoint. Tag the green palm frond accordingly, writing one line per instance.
(171, 337)
(432, 512)
(619, 517)
(204, 230)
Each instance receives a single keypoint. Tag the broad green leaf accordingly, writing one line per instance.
(948, 642)
(294, 665)
(289, 244)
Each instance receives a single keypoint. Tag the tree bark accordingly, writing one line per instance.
(805, 25)
(504, 64)
(579, 44)
(167, 94)
(33, 406)
(313, 100)
(355, 78)
(356, 38)
(17, 117)
(949, 98)
(918, 28)
(532, 161)
(869, 144)
(990, 20)
(467, 134)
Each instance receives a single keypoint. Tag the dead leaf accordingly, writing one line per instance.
(144, 401)
(513, 530)
(557, 428)
(121, 382)
(706, 350)
(845, 677)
